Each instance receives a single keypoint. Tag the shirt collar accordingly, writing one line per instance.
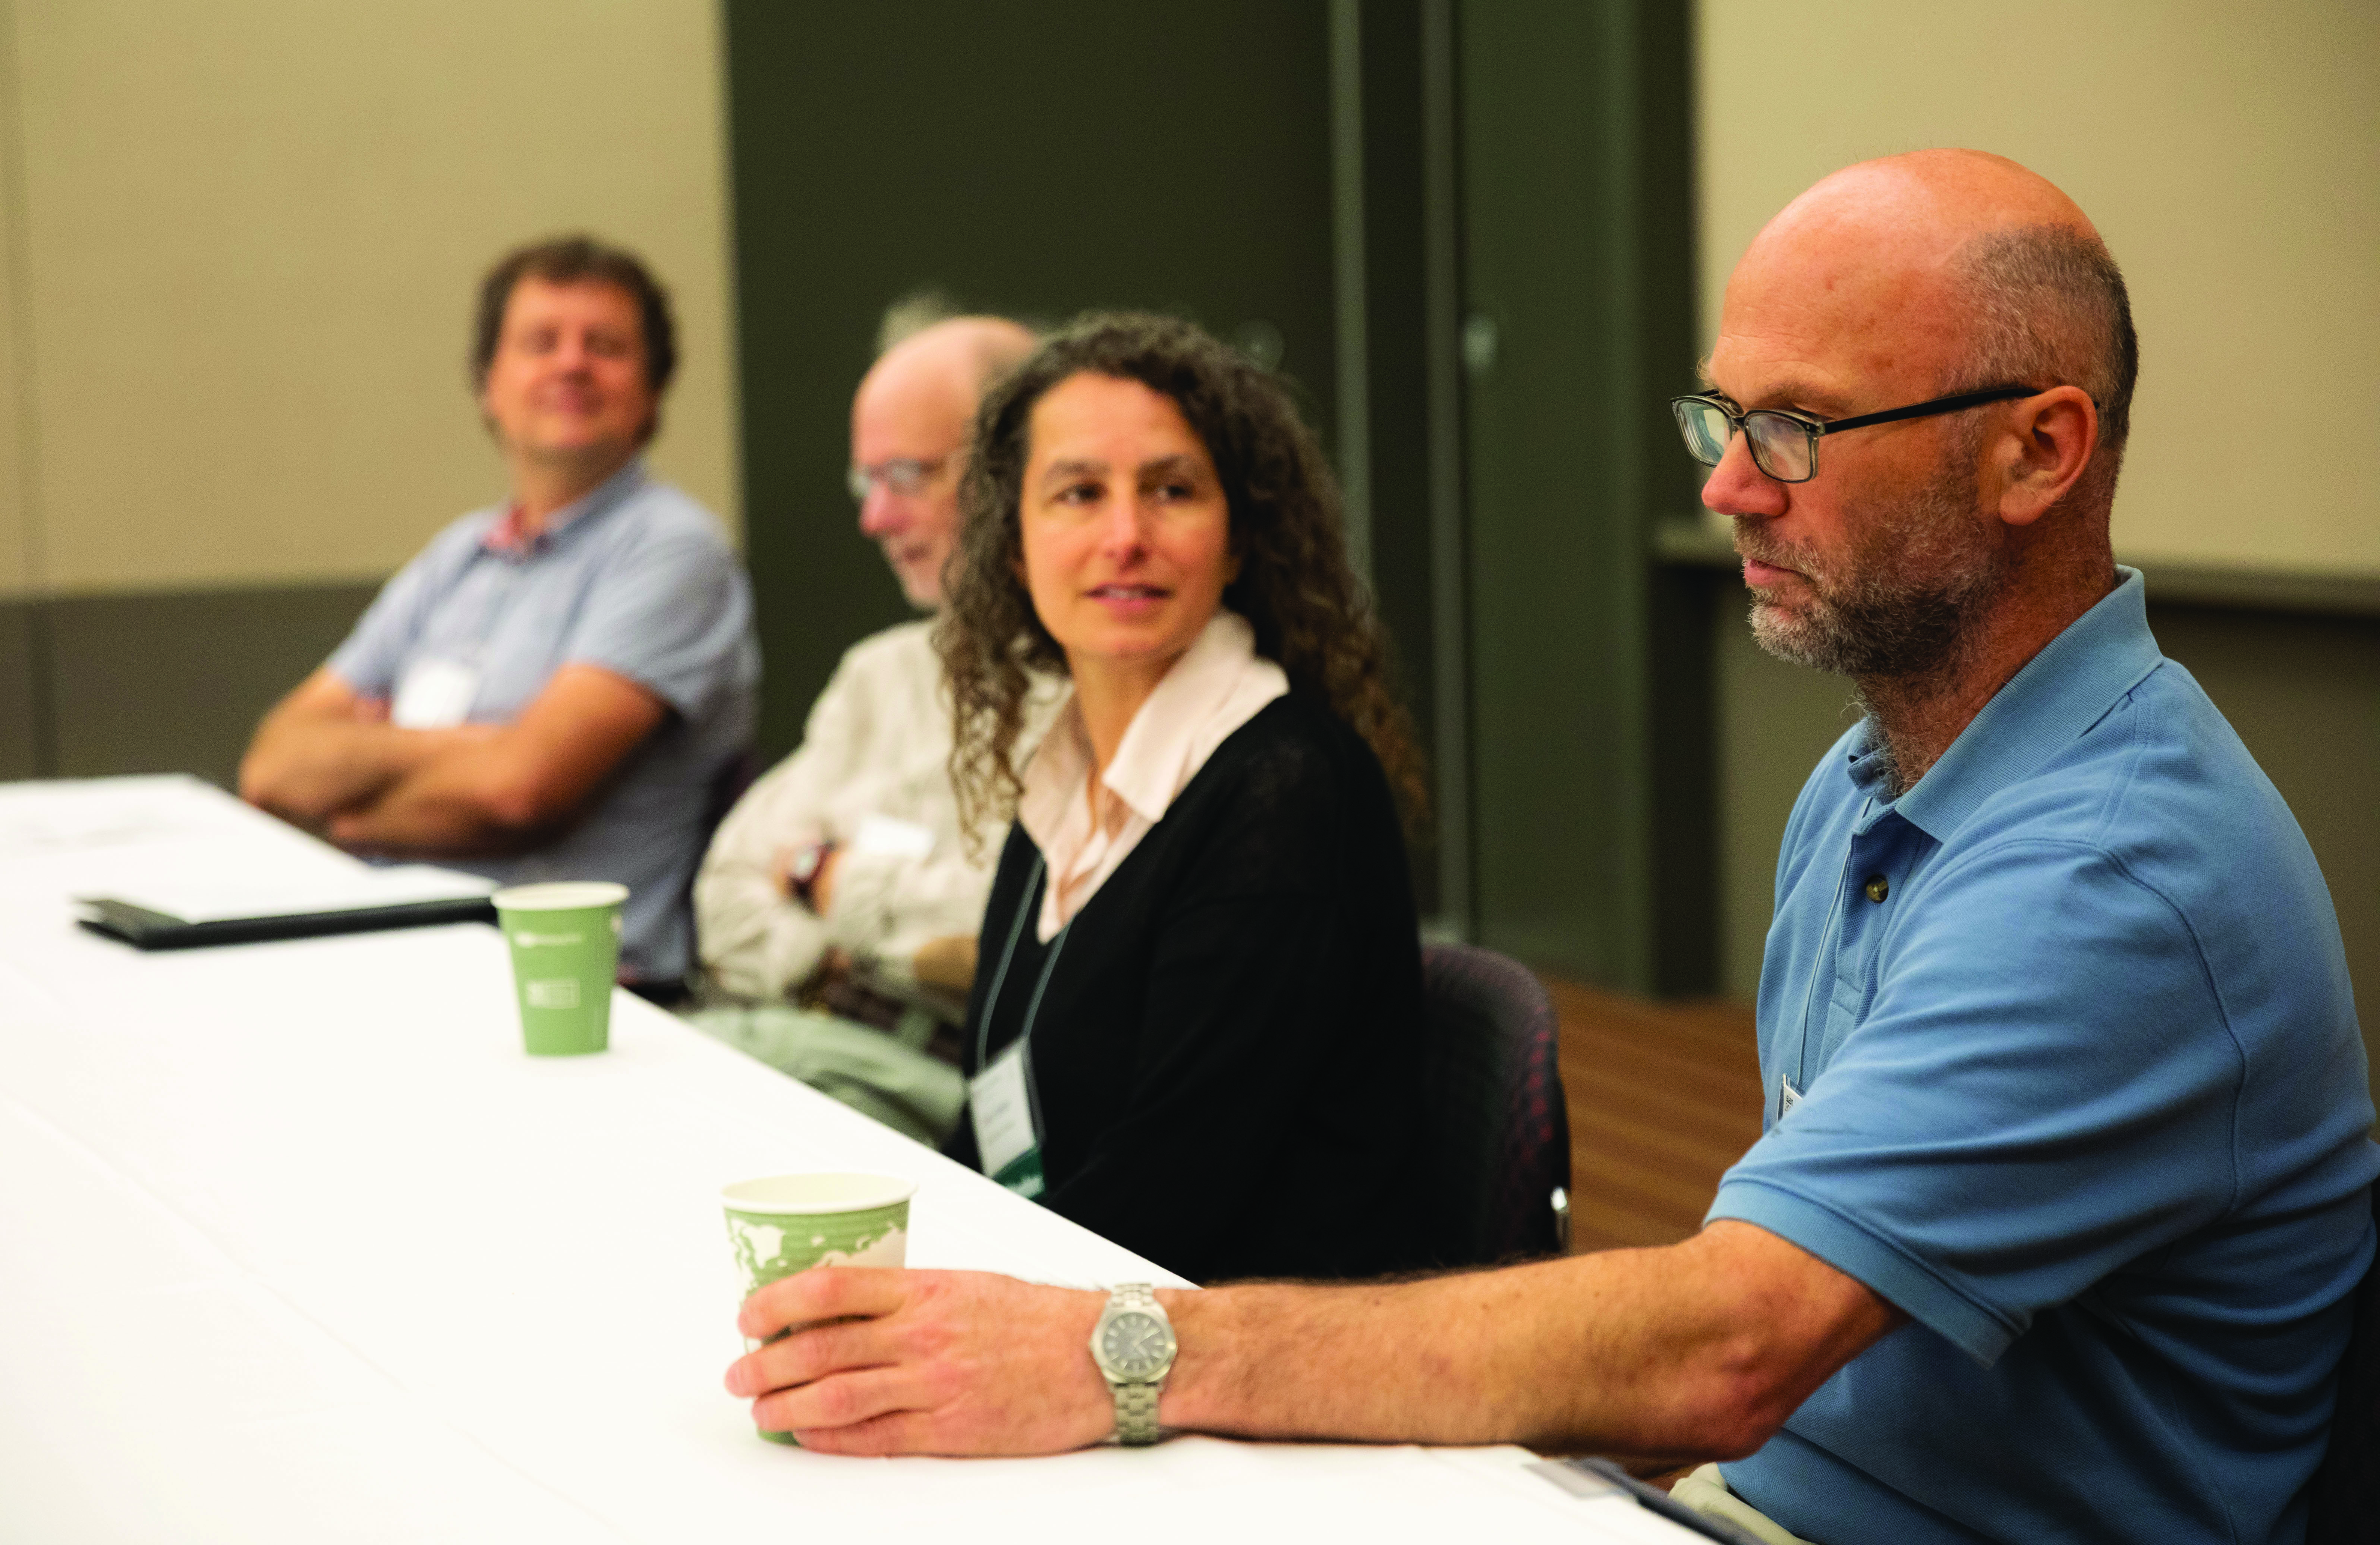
(2060, 692)
(1158, 750)
(1168, 738)
(1053, 778)
(504, 537)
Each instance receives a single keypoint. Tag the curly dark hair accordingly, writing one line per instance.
(1310, 613)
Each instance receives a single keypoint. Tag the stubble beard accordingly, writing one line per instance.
(1901, 603)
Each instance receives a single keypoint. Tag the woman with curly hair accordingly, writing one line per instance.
(1197, 1008)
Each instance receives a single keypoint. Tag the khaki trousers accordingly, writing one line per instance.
(1703, 1491)
(879, 1073)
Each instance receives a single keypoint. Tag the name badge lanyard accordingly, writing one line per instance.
(1000, 1098)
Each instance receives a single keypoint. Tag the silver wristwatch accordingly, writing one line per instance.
(1134, 1345)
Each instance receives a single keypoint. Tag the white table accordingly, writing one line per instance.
(295, 1244)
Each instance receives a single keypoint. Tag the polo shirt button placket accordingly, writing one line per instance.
(1872, 854)
(1838, 945)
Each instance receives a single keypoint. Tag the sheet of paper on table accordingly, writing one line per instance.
(220, 897)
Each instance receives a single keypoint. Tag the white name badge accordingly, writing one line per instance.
(1002, 1105)
(1787, 1097)
(893, 836)
(434, 695)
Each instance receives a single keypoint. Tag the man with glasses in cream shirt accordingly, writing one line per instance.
(837, 909)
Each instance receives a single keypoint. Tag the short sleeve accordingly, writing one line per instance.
(2044, 1090)
(673, 613)
(373, 655)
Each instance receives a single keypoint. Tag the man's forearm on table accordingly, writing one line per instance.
(309, 768)
(1376, 1362)
(466, 801)
(1660, 1354)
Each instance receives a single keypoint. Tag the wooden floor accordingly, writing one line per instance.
(1663, 1097)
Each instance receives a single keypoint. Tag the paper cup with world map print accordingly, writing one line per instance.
(565, 942)
(786, 1223)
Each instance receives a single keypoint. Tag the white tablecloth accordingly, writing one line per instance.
(295, 1244)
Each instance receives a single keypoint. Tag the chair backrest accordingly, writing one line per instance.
(1496, 1140)
(731, 782)
(2345, 1508)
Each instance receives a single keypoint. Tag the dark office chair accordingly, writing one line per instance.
(2345, 1509)
(728, 784)
(1496, 1132)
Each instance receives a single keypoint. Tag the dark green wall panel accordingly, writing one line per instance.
(1590, 727)
(1395, 240)
(176, 682)
(1037, 160)
(21, 719)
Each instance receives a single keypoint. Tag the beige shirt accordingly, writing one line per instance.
(872, 775)
(1218, 684)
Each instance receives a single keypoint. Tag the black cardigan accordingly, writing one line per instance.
(1226, 1058)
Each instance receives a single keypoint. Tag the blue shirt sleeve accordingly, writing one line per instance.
(674, 614)
(2044, 1090)
(372, 657)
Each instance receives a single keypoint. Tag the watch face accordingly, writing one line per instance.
(1136, 1345)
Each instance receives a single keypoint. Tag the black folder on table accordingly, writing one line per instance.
(148, 924)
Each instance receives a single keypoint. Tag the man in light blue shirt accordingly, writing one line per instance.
(2062, 1061)
(555, 687)
(2066, 1181)
(2060, 1053)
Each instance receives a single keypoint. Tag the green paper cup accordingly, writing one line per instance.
(790, 1222)
(565, 943)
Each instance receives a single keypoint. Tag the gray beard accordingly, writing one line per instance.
(1881, 756)
(1902, 604)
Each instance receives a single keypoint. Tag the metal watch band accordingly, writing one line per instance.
(1136, 1404)
(803, 872)
(1135, 1414)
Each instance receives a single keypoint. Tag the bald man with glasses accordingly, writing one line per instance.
(2064, 1185)
(837, 909)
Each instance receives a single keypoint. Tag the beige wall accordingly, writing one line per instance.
(252, 233)
(16, 472)
(2228, 153)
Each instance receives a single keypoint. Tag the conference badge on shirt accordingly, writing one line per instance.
(1001, 1098)
(434, 695)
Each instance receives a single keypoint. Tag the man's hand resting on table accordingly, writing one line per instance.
(1694, 1351)
(946, 1362)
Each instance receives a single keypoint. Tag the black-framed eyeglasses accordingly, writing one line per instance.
(904, 476)
(1785, 443)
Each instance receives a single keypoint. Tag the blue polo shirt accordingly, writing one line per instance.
(633, 577)
(2075, 1079)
